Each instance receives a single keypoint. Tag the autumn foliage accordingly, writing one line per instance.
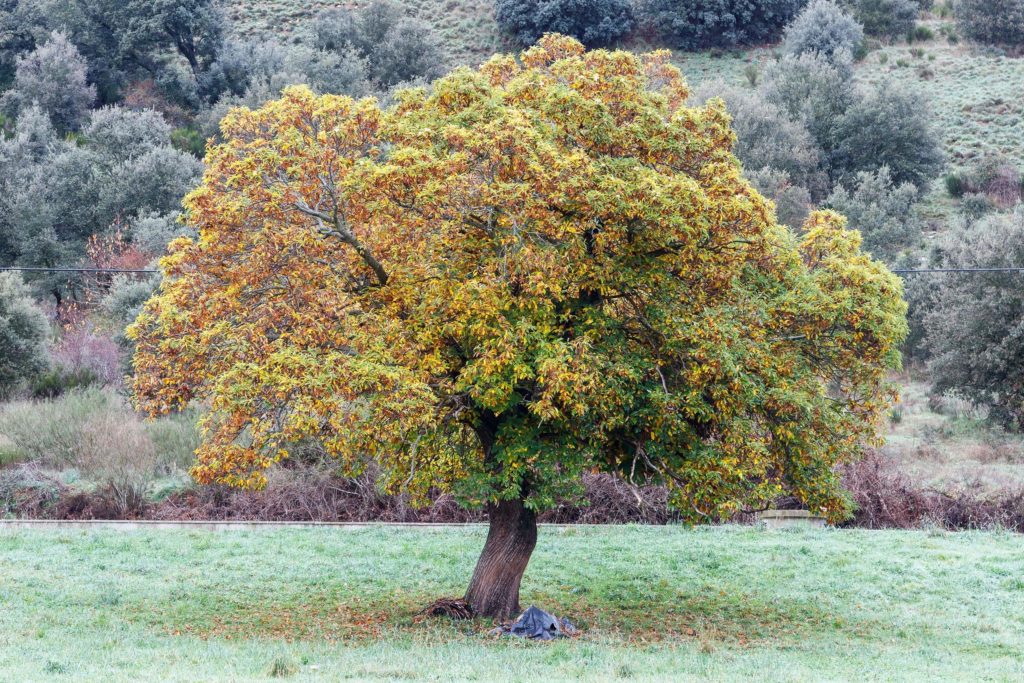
(546, 266)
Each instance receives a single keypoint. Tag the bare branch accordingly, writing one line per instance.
(342, 232)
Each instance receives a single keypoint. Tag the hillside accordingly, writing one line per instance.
(466, 26)
(976, 94)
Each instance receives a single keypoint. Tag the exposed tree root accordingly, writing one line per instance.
(453, 608)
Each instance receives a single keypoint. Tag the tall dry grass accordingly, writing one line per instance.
(94, 434)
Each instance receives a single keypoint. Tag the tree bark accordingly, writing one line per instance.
(494, 589)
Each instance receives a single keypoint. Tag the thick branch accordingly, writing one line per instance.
(342, 232)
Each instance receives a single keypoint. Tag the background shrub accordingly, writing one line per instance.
(890, 127)
(885, 18)
(58, 380)
(118, 455)
(49, 432)
(26, 488)
(188, 139)
(96, 432)
(697, 24)
(175, 439)
(991, 22)
(592, 22)
(84, 351)
(886, 498)
(921, 33)
(993, 175)
(881, 210)
(972, 324)
(823, 28)
(955, 185)
(24, 331)
(975, 205)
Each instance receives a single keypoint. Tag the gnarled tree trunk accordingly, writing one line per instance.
(494, 589)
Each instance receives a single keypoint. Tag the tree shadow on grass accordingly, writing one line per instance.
(710, 616)
(320, 616)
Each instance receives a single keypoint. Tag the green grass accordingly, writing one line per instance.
(655, 603)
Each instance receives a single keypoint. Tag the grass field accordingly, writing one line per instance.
(655, 603)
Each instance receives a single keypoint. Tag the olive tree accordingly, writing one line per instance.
(891, 126)
(822, 28)
(56, 193)
(53, 78)
(24, 331)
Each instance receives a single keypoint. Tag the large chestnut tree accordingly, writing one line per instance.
(542, 267)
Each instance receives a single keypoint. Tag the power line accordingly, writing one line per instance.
(907, 271)
(26, 269)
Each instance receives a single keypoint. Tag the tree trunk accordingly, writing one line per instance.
(494, 589)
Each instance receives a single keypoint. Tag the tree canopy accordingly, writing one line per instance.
(52, 77)
(593, 22)
(538, 268)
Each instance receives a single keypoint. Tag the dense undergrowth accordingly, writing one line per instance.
(87, 455)
(885, 498)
